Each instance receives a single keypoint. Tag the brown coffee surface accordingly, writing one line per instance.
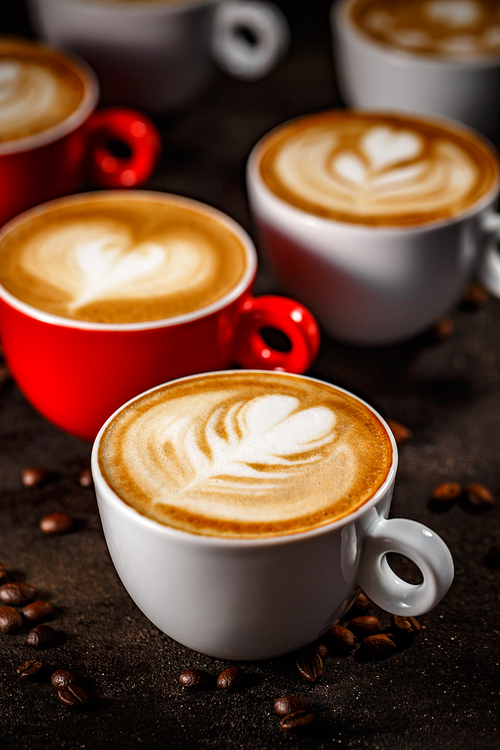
(449, 28)
(245, 454)
(40, 88)
(375, 168)
(115, 257)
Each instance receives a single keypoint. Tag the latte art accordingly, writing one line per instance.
(114, 258)
(245, 454)
(375, 169)
(433, 27)
(39, 88)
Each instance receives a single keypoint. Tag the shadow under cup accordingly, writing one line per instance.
(77, 372)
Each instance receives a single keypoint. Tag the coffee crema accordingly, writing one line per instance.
(115, 257)
(448, 28)
(245, 454)
(375, 168)
(39, 88)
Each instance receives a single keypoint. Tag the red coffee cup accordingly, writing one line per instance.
(53, 162)
(77, 373)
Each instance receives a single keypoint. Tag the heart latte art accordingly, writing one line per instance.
(39, 89)
(447, 28)
(244, 454)
(115, 258)
(376, 169)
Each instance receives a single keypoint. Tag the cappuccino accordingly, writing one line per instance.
(245, 454)
(40, 88)
(375, 168)
(116, 257)
(448, 28)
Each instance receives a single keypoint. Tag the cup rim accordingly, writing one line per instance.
(133, 8)
(312, 220)
(228, 542)
(233, 294)
(75, 119)
(340, 19)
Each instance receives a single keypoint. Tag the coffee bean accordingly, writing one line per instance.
(342, 640)
(231, 679)
(62, 678)
(41, 636)
(479, 496)
(3, 572)
(38, 610)
(10, 620)
(296, 720)
(72, 695)
(289, 704)
(85, 478)
(28, 668)
(401, 433)
(56, 523)
(17, 594)
(196, 679)
(4, 374)
(310, 664)
(378, 646)
(34, 476)
(322, 650)
(492, 557)
(405, 627)
(475, 296)
(443, 329)
(364, 626)
(360, 606)
(446, 491)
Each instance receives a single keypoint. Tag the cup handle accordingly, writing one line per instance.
(421, 545)
(136, 132)
(287, 316)
(489, 271)
(254, 57)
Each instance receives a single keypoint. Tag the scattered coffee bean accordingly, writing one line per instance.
(406, 627)
(342, 640)
(475, 297)
(492, 558)
(41, 636)
(360, 606)
(38, 610)
(364, 626)
(401, 433)
(17, 594)
(296, 720)
(85, 478)
(62, 678)
(56, 523)
(72, 695)
(34, 476)
(378, 646)
(231, 679)
(3, 572)
(443, 329)
(4, 374)
(479, 496)
(10, 620)
(196, 679)
(322, 650)
(30, 667)
(446, 491)
(289, 704)
(310, 664)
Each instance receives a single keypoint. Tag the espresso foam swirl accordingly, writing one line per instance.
(121, 259)
(435, 27)
(38, 90)
(242, 455)
(375, 169)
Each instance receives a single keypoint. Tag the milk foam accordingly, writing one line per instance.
(374, 169)
(436, 27)
(242, 454)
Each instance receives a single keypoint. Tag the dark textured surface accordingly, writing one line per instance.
(441, 692)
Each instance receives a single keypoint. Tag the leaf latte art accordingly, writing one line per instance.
(245, 454)
(376, 169)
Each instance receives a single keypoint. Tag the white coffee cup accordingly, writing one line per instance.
(374, 75)
(373, 284)
(158, 52)
(257, 598)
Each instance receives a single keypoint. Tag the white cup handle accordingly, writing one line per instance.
(489, 270)
(241, 57)
(421, 545)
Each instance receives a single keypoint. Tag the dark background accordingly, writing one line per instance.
(443, 691)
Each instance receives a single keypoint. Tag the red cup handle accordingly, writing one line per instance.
(131, 128)
(287, 316)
